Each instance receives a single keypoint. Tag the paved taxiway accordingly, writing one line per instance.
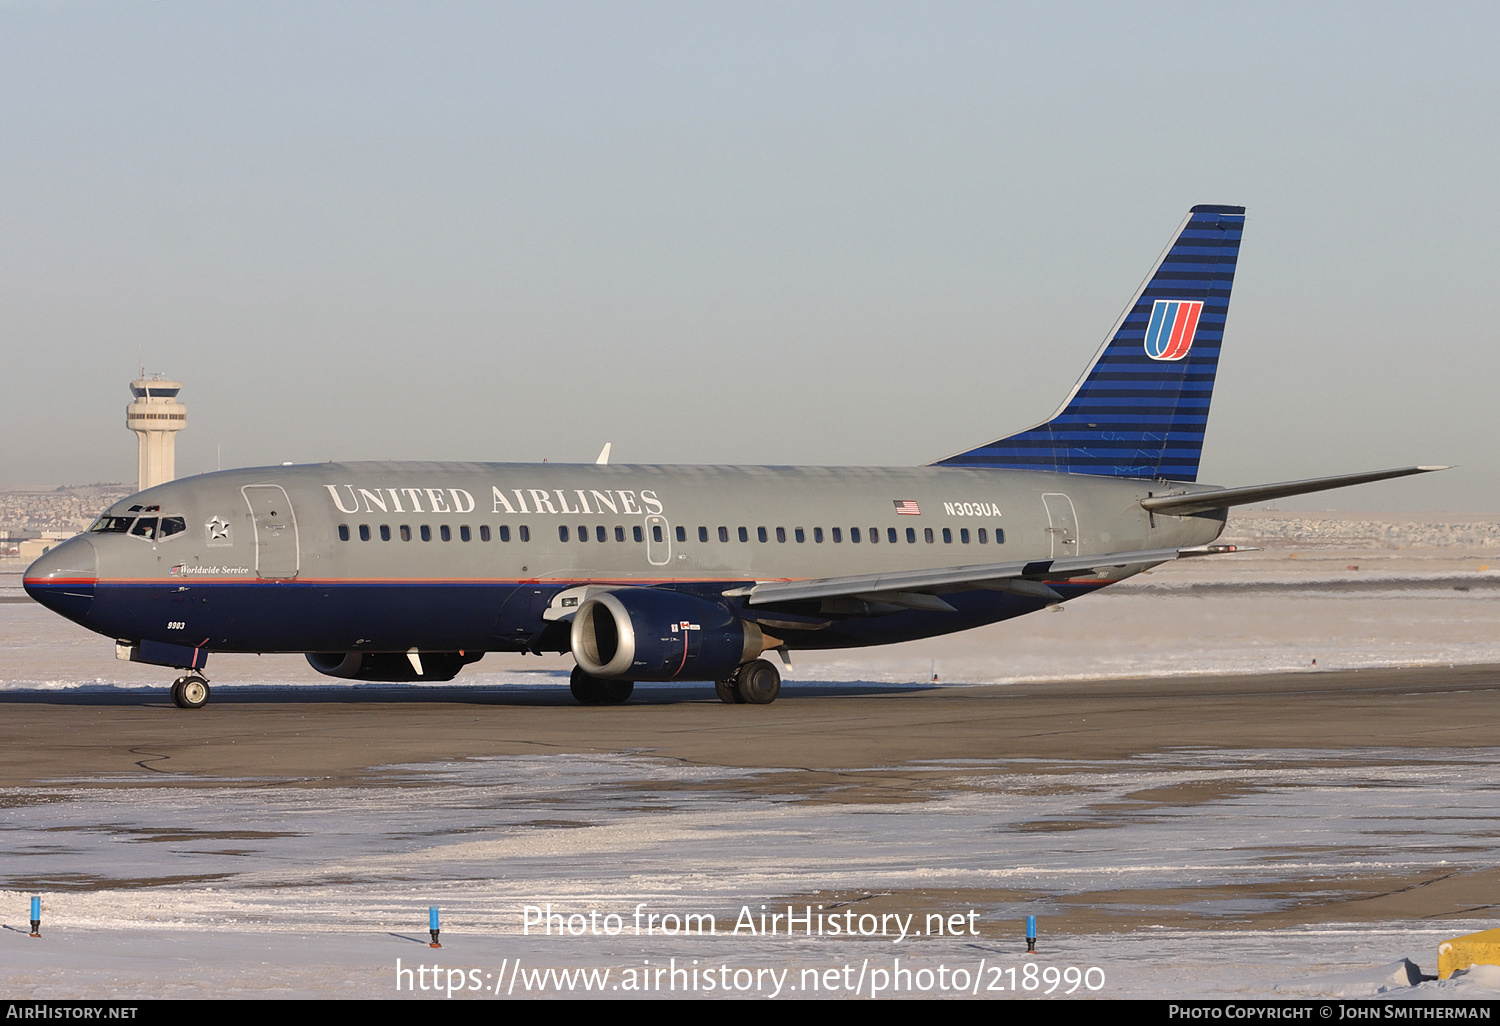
(316, 733)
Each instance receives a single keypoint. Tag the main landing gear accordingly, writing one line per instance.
(596, 691)
(190, 692)
(755, 683)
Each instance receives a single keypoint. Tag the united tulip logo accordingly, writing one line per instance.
(1169, 336)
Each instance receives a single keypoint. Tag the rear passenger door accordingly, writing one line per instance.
(1062, 524)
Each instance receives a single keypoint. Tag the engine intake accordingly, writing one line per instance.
(652, 634)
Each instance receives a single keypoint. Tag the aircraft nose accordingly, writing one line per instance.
(63, 579)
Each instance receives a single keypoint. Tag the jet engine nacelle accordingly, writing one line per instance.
(391, 666)
(652, 634)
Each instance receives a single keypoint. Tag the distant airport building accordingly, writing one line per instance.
(156, 416)
(36, 548)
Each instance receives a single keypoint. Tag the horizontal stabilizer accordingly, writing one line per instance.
(1222, 498)
(901, 587)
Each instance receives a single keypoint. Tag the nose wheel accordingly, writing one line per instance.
(190, 692)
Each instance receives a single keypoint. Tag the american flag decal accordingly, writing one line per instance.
(907, 507)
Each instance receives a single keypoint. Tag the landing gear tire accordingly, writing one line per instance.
(757, 683)
(727, 692)
(595, 691)
(190, 692)
(616, 692)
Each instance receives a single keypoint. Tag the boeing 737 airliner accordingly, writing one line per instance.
(409, 571)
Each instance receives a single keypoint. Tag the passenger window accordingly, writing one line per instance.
(963, 535)
(583, 532)
(145, 528)
(854, 534)
(838, 535)
(343, 532)
(364, 532)
(385, 532)
(911, 535)
(562, 533)
(484, 532)
(781, 534)
(406, 532)
(444, 533)
(636, 533)
(999, 536)
(760, 532)
(817, 536)
(874, 535)
(600, 534)
(984, 536)
(744, 534)
(723, 534)
(890, 535)
(656, 532)
(681, 533)
(426, 533)
(524, 533)
(927, 534)
(463, 533)
(703, 534)
(801, 536)
(172, 525)
(619, 533)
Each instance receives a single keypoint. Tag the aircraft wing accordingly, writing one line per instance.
(1185, 503)
(914, 588)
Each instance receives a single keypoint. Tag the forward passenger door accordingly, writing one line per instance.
(277, 552)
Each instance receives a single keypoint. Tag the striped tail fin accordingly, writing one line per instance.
(1141, 409)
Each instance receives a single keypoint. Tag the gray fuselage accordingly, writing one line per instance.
(438, 556)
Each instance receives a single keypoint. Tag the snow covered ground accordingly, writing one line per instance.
(308, 890)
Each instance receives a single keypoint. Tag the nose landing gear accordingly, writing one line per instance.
(190, 691)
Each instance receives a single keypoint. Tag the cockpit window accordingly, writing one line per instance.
(145, 527)
(172, 525)
(112, 525)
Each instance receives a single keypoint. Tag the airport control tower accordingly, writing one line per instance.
(156, 416)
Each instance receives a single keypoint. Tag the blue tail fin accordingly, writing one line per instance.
(1141, 409)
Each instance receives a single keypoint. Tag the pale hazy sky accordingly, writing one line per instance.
(756, 232)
